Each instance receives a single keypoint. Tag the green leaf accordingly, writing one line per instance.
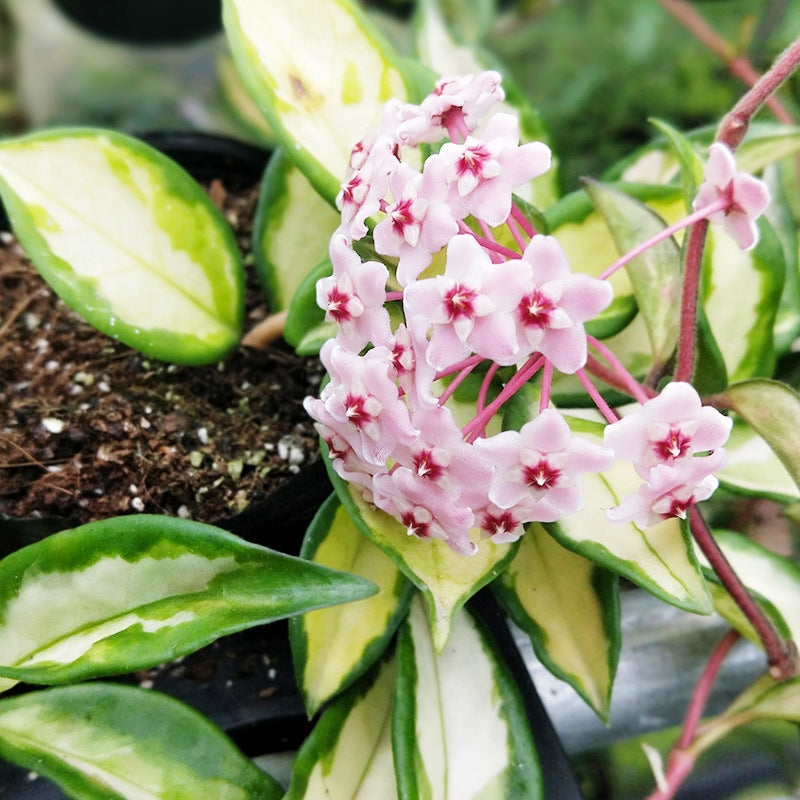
(764, 144)
(240, 104)
(306, 329)
(655, 275)
(127, 239)
(348, 755)
(591, 247)
(334, 646)
(126, 593)
(744, 329)
(459, 728)
(570, 609)
(754, 469)
(319, 72)
(769, 699)
(692, 166)
(779, 214)
(446, 578)
(291, 230)
(105, 742)
(771, 576)
(660, 559)
(772, 409)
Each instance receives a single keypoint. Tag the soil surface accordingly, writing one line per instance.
(91, 429)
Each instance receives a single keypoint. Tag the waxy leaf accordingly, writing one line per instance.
(660, 559)
(459, 728)
(127, 239)
(348, 755)
(769, 699)
(754, 469)
(106, 742)
(586, 239)
(570, 609)
(779, 214)
(772, 409)
(332, 647)
(656, 274)
(126, 593)
(319, 72)
(692, 166)
(744, 329)
(764, 144)
(772, 577)
(306, 329)
(446, 578)
(291, 231)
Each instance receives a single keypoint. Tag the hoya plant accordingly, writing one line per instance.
(536, 393)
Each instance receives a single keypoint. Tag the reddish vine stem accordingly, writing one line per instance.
(781, 653)
(703, 688)
(731, 131)
(695, 244)
(680, 763)
(734, 124)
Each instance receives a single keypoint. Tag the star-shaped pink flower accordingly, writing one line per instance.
(746, 196)
(483, 172)
(672, 427)
(537, 469)
(354, 297)
(554, 305)
(469, 307)
(670, 492)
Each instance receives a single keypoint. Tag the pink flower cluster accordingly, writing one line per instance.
(457, 282)
(675, 444)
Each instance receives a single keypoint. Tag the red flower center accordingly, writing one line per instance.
(355, 409)
(414, 526)
(426, 465)
(541, 476)
(535, 309)
(337, 304)
(460, 301)
(674, 445)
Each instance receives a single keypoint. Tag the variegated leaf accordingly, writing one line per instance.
(106, 742)
(656, 274)
(764, 144)
(660, 559)
(127, 239)
(772, 409)
(446, 578)
(772, 577)
(459, 729)
(291, 230)
(570, 609)
(130, 592)
(753, 468)
(306, 329)
(319, 72)
(332, 647)
(348, 755)
(744, 329)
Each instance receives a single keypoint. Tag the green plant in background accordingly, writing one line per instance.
(526, 390)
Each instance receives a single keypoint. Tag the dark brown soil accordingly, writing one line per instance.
(90, 428)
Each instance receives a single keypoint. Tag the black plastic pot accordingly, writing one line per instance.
(145, 22)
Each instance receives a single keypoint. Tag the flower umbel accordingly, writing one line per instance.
(477, 311)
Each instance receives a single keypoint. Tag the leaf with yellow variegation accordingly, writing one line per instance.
(331, 650)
